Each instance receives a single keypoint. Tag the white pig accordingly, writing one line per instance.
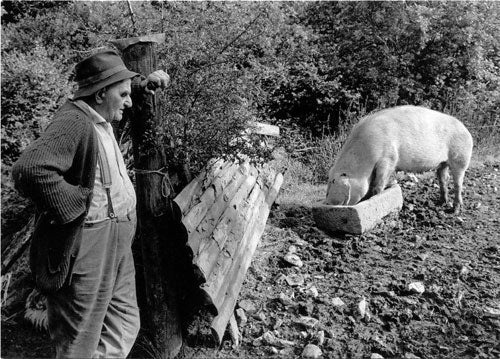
(404, 138)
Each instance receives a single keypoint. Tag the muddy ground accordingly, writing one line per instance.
(423, 284)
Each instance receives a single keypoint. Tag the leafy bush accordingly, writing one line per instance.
(33, 87)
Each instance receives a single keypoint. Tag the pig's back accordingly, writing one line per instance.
(420, 138)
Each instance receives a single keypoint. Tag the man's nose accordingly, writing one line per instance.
(128, 102)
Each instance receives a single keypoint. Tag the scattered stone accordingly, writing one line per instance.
(320, 336)
(292, 249)
(274, 350)
(270, 339)
(411, 356)
(311, 351)
(312, 291)
(308, 322)
(337, 302)
(464, 270)
(247, 306)
(423, 256)
(416, 287)
(300, 242)
(294, 280)
(376, 356)
(363, 307)
(327, 255)
(293, 259)
(459, 220)
(241, 317)
(285, 299)
(280, 279)
(260, 316)
(286, 352)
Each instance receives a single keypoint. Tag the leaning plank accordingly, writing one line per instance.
(211, 213)
(225, 216)
(195, 188)
(238, 273)
(231, 225)
(196, 213)
(225, 257)
(17, 245)
(235, 249)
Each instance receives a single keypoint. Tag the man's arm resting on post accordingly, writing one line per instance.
(40, 171)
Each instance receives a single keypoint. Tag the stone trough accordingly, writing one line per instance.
(361, 217)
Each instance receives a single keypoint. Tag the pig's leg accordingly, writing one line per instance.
(458, 175)
(442, 175)
(383, 170)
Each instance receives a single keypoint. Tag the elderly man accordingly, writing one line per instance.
(81, 254)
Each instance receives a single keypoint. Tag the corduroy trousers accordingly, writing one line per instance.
(97, 316)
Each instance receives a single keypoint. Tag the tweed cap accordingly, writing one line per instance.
(98, 71)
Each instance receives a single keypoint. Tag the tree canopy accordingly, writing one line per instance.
(301, 65)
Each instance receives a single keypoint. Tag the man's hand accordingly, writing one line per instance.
(155, 80)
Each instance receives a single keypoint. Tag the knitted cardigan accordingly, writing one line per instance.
(58, 170)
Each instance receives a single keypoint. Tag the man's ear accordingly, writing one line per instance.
(100, 95)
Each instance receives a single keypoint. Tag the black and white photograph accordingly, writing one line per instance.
(250, 179)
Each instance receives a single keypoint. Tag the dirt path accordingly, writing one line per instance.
(455, 259)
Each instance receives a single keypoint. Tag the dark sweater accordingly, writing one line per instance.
(57, 171)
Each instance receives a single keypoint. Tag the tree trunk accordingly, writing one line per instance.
(156, 236)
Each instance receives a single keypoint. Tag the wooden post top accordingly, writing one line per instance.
(122, 44)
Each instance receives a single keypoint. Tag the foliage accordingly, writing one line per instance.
(32, 88)
(307, 67)
(429, 53)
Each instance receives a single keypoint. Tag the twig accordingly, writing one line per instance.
(132, 17)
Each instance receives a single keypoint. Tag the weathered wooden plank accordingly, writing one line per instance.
(195, 188)
(231, 224)
(217, 284)
(234, 246)
(238, 271)
(210, 213)
(198, 211)
(264, 129)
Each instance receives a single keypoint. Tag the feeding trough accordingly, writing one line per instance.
(361, 217)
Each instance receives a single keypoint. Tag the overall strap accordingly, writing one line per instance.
(105, 176)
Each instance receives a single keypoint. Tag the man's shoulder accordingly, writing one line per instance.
(71, 109)
(72, 116)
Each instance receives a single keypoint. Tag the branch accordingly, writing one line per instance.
(132, 17)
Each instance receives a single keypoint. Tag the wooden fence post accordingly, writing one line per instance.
(157, 288)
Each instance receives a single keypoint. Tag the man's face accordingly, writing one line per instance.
(115, 99)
